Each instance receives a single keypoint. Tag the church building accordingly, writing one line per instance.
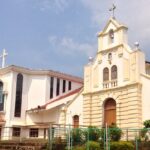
(116, 82)
(114, 90)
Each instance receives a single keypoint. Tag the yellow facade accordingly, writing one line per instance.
(126, 89)
(128, 106)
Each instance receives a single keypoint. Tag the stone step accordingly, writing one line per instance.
(22, 146)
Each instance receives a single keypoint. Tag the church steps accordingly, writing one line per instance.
(14, 145)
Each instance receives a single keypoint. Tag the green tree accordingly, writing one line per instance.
(144, 131)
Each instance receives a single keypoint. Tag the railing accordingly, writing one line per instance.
(110, 84)
(66, 137)
(104, 138)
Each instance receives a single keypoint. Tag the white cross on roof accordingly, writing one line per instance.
(3, 56)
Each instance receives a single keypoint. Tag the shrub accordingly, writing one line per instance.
(92, 133)
(146, 144)
(147, 123)
(58, 144)
(143, 132)
(79, 148)
(92, 145)
(114, 133)
(77, 136)
(121, 145)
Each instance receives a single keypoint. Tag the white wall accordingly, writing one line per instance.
(75, 108)
(51, 116)
(145, 97)
(36, 91)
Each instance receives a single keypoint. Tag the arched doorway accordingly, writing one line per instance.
(75, 121)
(110, 112)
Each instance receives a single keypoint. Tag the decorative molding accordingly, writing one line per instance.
(120, 55)
(110, 49)
(100, 61)
(110, 61)
(95, 86)
(113, 89)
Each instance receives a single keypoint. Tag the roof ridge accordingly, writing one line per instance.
(52, 72)
(65, 95)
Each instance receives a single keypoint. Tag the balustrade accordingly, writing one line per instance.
(110, 84)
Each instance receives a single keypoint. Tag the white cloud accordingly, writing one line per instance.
(97, 9)
(61, 4)
(55, 5)
(135, 14)
(52, 40)
(71, 47)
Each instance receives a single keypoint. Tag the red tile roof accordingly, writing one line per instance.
(64, 96)
(55, 100)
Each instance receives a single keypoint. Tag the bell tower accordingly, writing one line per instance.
(114, 34)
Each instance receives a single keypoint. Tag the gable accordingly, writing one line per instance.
(111, 24)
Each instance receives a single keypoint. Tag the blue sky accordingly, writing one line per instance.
(61, 34)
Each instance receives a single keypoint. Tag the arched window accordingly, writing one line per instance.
(106, 74)
(110, 112)
(111, 36)
(75, 121)
(18, 102)
(1, 97)
(1, 92)
(114, 72)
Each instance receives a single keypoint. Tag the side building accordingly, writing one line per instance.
(26, 93)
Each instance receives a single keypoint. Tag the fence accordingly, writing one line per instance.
(66, 137)
(87, 138)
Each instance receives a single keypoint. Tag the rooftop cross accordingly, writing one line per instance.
(3, 56)
(113, 10)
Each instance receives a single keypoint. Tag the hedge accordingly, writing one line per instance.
(121, 145)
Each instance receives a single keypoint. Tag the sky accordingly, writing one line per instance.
(61, 35)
